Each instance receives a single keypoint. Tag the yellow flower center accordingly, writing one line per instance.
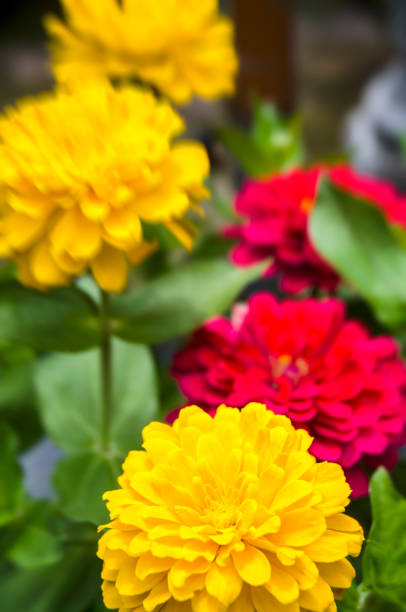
(285, 364)
(228, 513)
(306, 205)
(221, 514)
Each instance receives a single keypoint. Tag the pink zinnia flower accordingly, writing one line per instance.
(306, 360)
(277, 211)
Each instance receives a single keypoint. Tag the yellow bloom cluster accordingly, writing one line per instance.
(182, 47)
(229, 513)
(80, 171)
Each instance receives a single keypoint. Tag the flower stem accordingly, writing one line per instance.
(105, 369)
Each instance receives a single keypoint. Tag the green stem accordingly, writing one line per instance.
(105, 369)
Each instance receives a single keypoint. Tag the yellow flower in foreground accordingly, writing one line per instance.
(229, 513)
(80, 171)
(182, 47)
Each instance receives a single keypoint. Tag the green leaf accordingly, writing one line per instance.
(384, 560)
(59, 320)
(273, 144)
(16, 385)
(34, 539)
(355, 238)
(350, 601)
(34, 547)
(80, 481)
(247, 152)
(11, 489)
(358, 599)
(179, 301)
(68, 586)
(70, 402)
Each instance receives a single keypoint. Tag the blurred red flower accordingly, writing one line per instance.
(306, 360)
(276, 212)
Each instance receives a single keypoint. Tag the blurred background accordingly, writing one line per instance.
(342, 63)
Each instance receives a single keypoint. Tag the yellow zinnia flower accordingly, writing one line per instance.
(80, 171)
(229, 513)
(182, 47)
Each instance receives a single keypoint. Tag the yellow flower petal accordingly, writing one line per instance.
(189, 526)
(252, 565)
(307, 525)
(44, 268)
(265, 602)
(137, 255)
(81, 167)
(243, 603)
(183, 232)
(282, 585)
(72, 225)
(318, 598)
(203, 602)
(339, 574)
(22, 230)
(158, 595)
(182, 49)
(224, 583)
(123, 225)
(110, 269)
(111, 596)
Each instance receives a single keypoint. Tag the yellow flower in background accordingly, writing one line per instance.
(229, 513)
(79, 173)
(182, 47)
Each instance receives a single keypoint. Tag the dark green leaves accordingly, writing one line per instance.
(179, 301)
(69, 390)
(273, 144)
(174, 303)
(351, 600)
(384, 562)
(67, 586)
(35, 547)
(384, 558)
(80, 481)
(59, 320)
(355, 238)
(11, 491)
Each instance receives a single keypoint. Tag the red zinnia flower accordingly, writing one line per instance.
(305, 360)
(277, 211)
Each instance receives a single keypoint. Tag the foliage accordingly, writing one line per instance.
(50, 361)
(179, 301)
(384, 560)
(358, 241)
(272, 144)
(88, 370)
